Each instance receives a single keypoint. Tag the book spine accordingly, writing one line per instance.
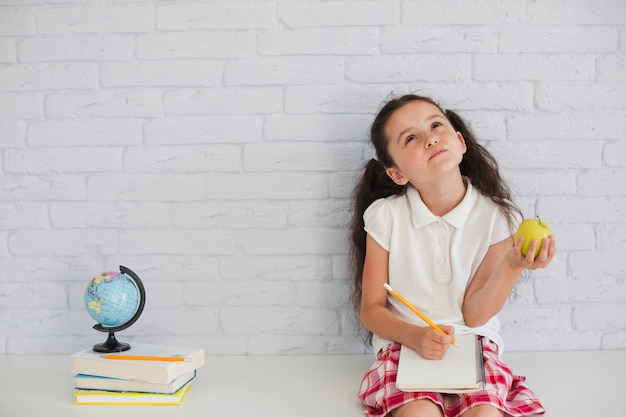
(480, 363)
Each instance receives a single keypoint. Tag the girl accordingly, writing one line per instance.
(433, 218)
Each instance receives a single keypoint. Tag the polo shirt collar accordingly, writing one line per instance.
(422, 216)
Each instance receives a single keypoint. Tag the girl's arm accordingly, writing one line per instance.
(497, 275)
(375, 316)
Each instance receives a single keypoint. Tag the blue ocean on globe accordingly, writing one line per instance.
(111, 299)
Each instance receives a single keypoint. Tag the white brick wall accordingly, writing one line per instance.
(212, 148)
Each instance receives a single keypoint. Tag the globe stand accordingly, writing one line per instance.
(111, 345)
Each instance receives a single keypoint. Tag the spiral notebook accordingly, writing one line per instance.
(461, 370)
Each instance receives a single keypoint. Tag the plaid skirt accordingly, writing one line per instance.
(503, 390)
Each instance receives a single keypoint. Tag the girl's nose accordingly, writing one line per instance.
(432, 140)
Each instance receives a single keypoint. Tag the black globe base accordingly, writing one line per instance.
(111, 345)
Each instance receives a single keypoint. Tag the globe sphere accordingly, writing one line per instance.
(112, 299)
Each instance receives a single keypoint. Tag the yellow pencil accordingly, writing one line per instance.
(146, 358)
(415, 310)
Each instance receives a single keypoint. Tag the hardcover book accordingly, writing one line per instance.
(93, 397)
(93, 363)
(93, 382)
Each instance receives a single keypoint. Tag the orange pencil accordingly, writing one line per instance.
(416, 311)
(146, 358)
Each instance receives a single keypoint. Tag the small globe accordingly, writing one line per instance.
(111, 299)
(115, 301)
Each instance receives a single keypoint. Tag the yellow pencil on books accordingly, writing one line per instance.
(147, 358)
(415, 310)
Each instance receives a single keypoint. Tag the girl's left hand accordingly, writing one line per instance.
(543, 259)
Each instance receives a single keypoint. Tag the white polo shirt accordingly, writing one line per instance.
(432, 259)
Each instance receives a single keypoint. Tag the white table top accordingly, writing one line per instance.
(231, 386)
(569, 384)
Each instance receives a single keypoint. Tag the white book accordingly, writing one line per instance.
(94, 363)
(103, 383)
(461, 370)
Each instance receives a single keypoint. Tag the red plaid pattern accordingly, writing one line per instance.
(503, 390)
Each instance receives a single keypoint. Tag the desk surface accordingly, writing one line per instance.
(307, 386)
(225, 386)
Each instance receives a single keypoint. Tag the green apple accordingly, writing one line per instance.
(532, 229)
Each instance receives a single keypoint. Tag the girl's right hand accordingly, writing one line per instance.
(430, 344)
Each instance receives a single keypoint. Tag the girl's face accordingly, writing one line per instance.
(422, 143)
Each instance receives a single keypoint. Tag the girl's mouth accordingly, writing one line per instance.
(436, 153)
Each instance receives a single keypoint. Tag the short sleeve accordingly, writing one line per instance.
(377, 219)
(501, 228)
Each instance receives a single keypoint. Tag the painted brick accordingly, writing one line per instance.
(314, 241)
(8, 50)
(209, 129)
(570, 125)
(316, 128)
(35, 188)
(536, 66)
(611, 237)
(592, 210)
(288, 70)
(614, 152)
(435, 40)
(62, 160)
(45, 242)
(49, 76)
(230, 294)
(230, 214)
(85, 132)
(144, 187)
(73, 48)
(577, 12)
(196, 44)
(321, 213)
(589, 39)
(596, 97)
(344, 13)
(20, 216)
(459, 12)
(301, 156)
(549, 154)
(18, 21)
(193, 158)
(120, 214)
(16, 106)
(110, 104)
(594, 183)
(13, 134)
(267, 185)
(230, 101)
(279, 320)
(220, 15)
(184, 72)
(178, 242)
(277, 268)
(96, 19)
(409, 68)
(322, 41)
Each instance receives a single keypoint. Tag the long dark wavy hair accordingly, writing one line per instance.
(477, 164)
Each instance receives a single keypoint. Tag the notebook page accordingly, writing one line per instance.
(456, 372)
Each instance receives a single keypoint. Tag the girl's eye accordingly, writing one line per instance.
(436, 125)
(409, 139)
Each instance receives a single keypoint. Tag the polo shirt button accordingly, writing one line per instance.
(441, 261)
(441, 241)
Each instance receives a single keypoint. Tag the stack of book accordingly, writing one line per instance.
(145, 374)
